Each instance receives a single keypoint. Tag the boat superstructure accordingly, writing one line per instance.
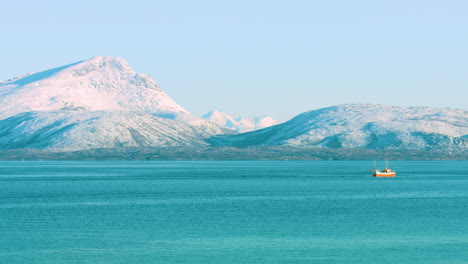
(387, 172)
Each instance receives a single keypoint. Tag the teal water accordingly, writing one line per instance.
(233, 212)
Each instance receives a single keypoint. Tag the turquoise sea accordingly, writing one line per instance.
(232, 212)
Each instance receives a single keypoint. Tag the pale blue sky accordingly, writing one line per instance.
(276, 58)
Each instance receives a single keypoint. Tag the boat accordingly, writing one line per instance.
(387, 172)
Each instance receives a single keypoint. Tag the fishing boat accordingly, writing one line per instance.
(387, 172)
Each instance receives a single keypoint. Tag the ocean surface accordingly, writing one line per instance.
(232, 212)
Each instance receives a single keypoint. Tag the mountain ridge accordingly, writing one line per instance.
(95, 103)
(103, 103)
(240, 124)
(100, 83)
(364, 126)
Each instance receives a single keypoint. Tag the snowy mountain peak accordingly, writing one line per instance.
(100, 83)
(102, 64)
(266, 121)
(108, 61)
(76, 69)
(246, 121)
(214, 113)
(240, 124)
(217, 116)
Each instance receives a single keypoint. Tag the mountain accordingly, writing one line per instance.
(79, 130)
(256, 123)
(96, 103)
(240, 124)
(102, 103)
(101, 83)
(221, 119)
(364, 126)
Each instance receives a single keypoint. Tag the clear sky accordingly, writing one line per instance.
(277, 58)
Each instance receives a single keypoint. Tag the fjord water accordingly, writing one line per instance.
(232, 212)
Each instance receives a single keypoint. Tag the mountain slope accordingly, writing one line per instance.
(78, 130)
(101, 83)
(365, 126)
(241, 124)
(97, 103)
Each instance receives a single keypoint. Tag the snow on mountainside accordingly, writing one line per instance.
(77, 130)
(241, 124)
(365, 126)
(221, 119)
(96, 103)
(101, 83)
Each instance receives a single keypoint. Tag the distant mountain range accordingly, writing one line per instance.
(240, 124)
(101, 103)
(364, 126)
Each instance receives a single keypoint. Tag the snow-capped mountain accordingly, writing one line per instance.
(256, 123)
(221, 119)
(101, 83)
(96, 103)
(103, 103)
(365, 126)
(240, 124)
